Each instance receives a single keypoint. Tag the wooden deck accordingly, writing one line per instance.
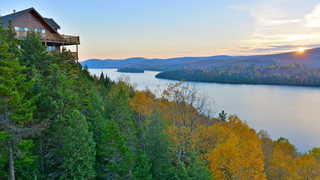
(75, 55)
(63, 40)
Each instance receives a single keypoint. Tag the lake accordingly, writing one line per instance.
(283, 111)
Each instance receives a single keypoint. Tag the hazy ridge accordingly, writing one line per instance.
(310, 58)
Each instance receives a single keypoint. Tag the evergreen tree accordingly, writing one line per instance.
(77, 148)
(196, 168)
(142, 169)
(16, 101)
(223, 116)
(34, 53)
(157, 149)
(119, 158)
(69, 137)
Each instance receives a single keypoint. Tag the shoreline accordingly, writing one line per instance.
(240, 83)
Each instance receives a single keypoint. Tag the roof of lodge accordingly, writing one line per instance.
(5, 20)
(52, 23)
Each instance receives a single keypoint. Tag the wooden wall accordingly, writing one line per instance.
(32, 21)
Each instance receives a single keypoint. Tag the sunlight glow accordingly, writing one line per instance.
(301, 50)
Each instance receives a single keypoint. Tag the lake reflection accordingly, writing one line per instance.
(283, 111)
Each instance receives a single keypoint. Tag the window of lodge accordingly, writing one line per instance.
(51, 48)
(26, 29)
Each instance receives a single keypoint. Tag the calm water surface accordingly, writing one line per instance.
(291, 112)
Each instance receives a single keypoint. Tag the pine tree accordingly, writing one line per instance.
(157, 149)
(142, 169)
(196, 168)
(34, 52)
(16, 101)
(119, 158)
(69, 138)
(223, 116)
(77, 148)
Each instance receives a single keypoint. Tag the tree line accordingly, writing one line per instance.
(130, 70)
(293, 74)
(59, 122)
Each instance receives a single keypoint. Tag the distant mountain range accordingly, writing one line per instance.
(310, 58)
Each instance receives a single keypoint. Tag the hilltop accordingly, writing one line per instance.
(150, 64)
(310, 58)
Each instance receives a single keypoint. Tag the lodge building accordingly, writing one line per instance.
(30, 20)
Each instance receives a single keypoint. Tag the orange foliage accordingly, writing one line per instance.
(143, 102)
(307, 167)
(238, 152)
(232, 149)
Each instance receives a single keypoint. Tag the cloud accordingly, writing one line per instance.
(278, 28)
(313, 18)
(279, 48)
(261, 38)
(277, 22)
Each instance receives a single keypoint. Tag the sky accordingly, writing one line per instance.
(117, 29)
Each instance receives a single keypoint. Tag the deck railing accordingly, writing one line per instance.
(61, 39)
(75, 55)
(71, 39)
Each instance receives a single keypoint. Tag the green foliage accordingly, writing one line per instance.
(93, 129)
(77, 148)
(34, 53)
(17, 104)
(293, 74)
(157, 148)
(26, 162)
(315, 152)
(196, 169)
(93, 132)
(223, 116)
(4, 137)
(142, 169)
(131, 70)
(118, 109)
(118, 157)
(14, 86)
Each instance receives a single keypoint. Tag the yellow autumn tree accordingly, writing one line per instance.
(315, 152)
(281, 161)
(307, 167)
(207, 138)
(143, 102)
(238, 153)
(232, 149)
(183, 110)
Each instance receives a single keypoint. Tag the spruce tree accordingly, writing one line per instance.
(69, 138)
(77, 148)
(16, 101)
(118, 157)
(34, 52)
(158, 150)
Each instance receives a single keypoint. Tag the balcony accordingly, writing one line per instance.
(59, 39)
(75, 55)
(64, 40)
(71, 39)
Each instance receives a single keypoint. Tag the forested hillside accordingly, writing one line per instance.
(59, 122)
(293, 74)
(130, 70)
(308, 58)
(151, 64)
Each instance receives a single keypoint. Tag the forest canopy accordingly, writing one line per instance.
(59, 122)
(293, 74)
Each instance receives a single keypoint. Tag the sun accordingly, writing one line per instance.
(301, 50)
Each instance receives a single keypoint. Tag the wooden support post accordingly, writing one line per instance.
(77, 53)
